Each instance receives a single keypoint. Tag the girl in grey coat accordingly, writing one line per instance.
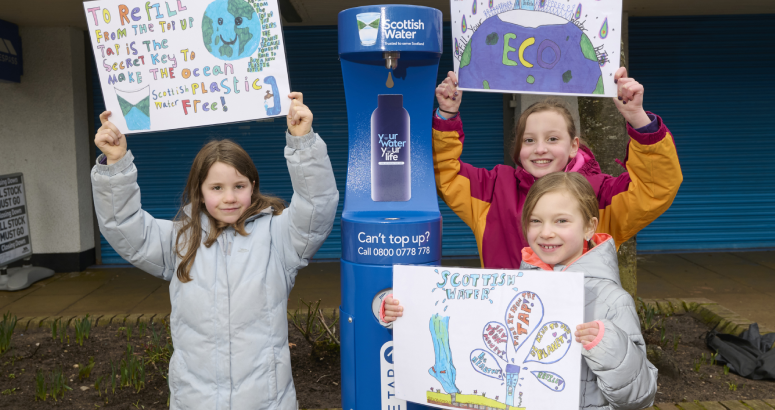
(231, 255)
(559, 220)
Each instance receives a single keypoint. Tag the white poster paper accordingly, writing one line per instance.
(482, 338)
(15, 241)
(186, 63)
(537, 46)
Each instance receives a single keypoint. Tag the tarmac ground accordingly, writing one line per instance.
(743, 282)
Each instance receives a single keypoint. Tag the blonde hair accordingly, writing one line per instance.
(549, 104)
(229, 153)
(572, 183)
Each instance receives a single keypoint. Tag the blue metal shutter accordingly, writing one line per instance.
(710, 78)
(164, 159)
(482, 115)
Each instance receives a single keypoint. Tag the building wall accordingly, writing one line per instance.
(44, 134)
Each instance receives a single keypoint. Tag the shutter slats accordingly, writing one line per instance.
(710, 78)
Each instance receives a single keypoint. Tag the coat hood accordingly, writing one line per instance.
(599, 262)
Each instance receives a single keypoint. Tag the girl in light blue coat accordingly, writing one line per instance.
(231, 256)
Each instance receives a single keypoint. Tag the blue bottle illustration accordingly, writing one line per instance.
(391, 176)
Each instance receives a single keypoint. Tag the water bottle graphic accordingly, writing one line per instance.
(391, 169)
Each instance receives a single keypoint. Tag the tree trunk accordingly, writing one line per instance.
(604, 130)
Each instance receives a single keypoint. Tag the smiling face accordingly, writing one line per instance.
(557, 228)
(231, 29)
(546, 144)
(226, 193)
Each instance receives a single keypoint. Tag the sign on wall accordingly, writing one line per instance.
(482, 338)
(537, 46)
(14, 226)
(185, 63)
(10, 52)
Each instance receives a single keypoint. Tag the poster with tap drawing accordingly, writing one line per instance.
(537, 46)
(171, 64)
(488, 339)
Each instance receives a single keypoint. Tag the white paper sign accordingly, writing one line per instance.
(537, 46)
(15, 241)
(488, 338)
(185, 63)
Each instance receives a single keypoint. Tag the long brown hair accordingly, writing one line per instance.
(229, 153)
(549, 104)
(571, 182)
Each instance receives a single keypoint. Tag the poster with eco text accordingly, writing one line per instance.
(537, 46)
(186, 63)
(483, 338)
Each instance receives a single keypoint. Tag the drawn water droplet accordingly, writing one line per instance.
(604, 29)
(524, 368)
(490, 4)
(491, 301)
(436, 270)
(492, 288)
(578, 12)
(437, 302)
(445, 308)
(473, 8)
(463, 25)
(389, 83)
(515, 289)
(457, 48)
(443, 300)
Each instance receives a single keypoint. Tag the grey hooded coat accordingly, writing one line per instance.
(615, 373)
(229, 324)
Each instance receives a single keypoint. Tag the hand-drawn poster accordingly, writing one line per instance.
(481, 338)
(537, 46)
(170, 64)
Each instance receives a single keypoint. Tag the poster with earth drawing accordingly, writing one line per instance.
(487, 339)
(537, 46)
(171, 64)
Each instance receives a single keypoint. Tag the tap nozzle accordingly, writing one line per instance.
(391, 59)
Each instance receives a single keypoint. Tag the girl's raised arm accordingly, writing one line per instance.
(139, 238)
(306, 223)
(634, 199)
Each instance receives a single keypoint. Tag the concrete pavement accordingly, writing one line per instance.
(743, 282)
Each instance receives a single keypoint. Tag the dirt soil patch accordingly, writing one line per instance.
(686, 368)
(686, 372)
(317, 378)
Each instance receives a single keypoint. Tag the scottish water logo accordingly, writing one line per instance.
(368, 25)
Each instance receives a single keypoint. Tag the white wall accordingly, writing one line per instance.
(44, 134)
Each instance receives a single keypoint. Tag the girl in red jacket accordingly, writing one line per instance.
(490, 201)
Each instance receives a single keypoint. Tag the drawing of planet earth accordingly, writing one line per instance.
(231, 29)
(530, 51)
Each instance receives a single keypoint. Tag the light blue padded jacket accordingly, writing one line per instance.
(615, 373)
(229, 324)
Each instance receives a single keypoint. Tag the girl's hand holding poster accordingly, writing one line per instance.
(170, 64)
